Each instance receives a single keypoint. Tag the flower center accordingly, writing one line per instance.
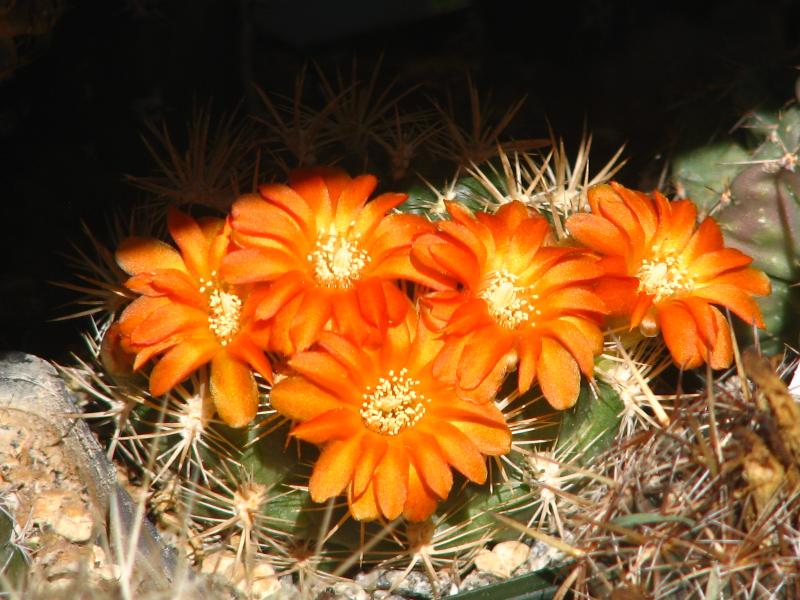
(337, 261)
(224, 310)
(506, 301)
(393, 405)
(664, 278)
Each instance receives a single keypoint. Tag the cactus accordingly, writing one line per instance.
(221, 419)
(752, 187)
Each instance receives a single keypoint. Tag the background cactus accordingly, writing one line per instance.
(218, 488)
(750, 183)
(244, 492)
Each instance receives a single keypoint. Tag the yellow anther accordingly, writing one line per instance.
(337, 261)
(664, 277)
(393, 405)
(224, 312)
(505, 300)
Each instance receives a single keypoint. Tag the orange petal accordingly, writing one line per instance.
(446, 363)
(570, 299)
(373, 213)
(279, 340)
(486, 347)
(491, 440)
(257, 264)
(246, 350)
(291, 202)
(721, 354)
(402, 266)
(569, 271)
(395, 347)
(733, 298)
(619, 294)
(336, 424)
(219, 244)
(372, 302)
(681, 225)
(529, 347)
(559, 376)
(137, 311)
(190, 239)
(298, 399)
(643, 303)
(459, 451)
(601, 192)
(328, 373)
(334, 468)
(364, 507)
(348, 354)
(642, 207)
(714, 263)
(469, 316)
(598, 233)
(315, 194)
(621, 215)
(397, 303)
(456, 262)
(572, 338)
(750, 280)
(312, 314)
(352, 198)
(167, 320)
(391, 481)
(141, 255)
(487, 390)
(526, 241)
(373, 450)
(431, 464)
(421, 501)
(349, 319)
(279, 293)
(459, 410)
(466, 236)
(252, 216)
(233, 389)
(395, 233)
(703, 316)
(680, 334)
(146, 353)
(167, 282)
(180, 362)
(707, 238)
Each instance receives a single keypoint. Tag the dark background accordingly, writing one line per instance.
(658, 76)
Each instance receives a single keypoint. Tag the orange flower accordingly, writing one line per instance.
(390, 432)
(328, 254)
(520, 301)
(665, 272)
(192, 316)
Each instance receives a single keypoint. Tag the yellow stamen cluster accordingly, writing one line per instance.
(506, 301)
(337, 260)
(393, 405)
(664, 277)
(224, 310)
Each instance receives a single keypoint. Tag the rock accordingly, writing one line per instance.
(259, 582)
(413, 584)
(477, 579)
(61, 476)
(503, 559)
(543, 555)
(343, 591)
